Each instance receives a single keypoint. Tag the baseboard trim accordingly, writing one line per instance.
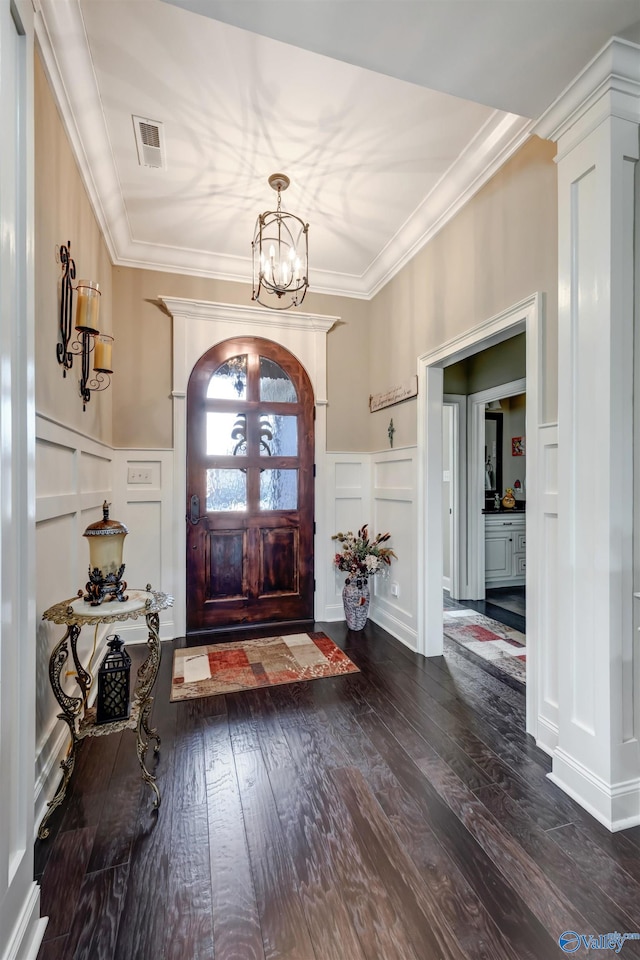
(28, 932)
(615, 806)
(136, 631)
(547, 735)
(395, 627)
(332, 612)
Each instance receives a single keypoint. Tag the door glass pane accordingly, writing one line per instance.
(229, 382)
(278, 436)
(226, 435)
(279, 490)
(226, 490)
(275, 385)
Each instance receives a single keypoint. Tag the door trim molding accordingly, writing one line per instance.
(199, 325)
(459, 569)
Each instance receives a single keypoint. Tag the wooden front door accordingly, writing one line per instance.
(250, 443)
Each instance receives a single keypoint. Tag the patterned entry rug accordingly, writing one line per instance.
(248, 664)
(501, 648)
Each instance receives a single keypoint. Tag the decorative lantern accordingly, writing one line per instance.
(280, 254)
(113, 683)
(106, 542)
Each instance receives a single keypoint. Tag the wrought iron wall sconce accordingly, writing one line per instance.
(88, 339)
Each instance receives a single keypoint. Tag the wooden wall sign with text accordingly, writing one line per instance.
(405, 391)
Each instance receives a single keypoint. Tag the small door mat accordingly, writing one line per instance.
(249, 664)
(501, 647)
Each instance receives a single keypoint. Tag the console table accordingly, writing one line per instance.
(81, 719)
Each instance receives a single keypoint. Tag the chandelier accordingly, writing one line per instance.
(280, 254)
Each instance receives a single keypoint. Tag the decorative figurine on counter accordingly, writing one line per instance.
(509, 501)
(496, 502)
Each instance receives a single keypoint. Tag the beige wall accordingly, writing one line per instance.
(500, 248)
(142, 405)
(63, 214)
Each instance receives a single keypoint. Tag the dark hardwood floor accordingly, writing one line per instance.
(396, 814)
(512, 615)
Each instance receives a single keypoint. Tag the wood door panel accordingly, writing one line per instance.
(279, 561)
(250, 463)
(226, 550)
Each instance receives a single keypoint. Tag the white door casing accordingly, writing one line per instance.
(199, 325)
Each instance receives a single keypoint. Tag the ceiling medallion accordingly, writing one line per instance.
(280, 255)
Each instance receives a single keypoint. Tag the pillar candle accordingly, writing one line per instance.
(88, 306)
(102, 354)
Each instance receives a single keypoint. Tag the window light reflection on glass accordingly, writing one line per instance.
(279, 490)
(229, 381)
(226, 490)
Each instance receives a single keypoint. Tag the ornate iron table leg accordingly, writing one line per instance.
(141, 747)
(146, 679)
(71, 709)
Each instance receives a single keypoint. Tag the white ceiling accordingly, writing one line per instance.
(386, 116)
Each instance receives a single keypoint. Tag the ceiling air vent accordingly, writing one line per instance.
(149, 141)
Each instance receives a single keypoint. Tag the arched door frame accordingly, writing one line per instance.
(199, 325)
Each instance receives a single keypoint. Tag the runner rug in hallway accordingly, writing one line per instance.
(502, 647)
(249, 664)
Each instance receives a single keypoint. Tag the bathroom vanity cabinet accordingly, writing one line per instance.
(505, 540)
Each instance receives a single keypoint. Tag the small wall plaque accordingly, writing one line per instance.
(406, 390)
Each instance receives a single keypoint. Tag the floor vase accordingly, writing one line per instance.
(355, 598)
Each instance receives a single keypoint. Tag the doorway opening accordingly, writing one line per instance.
(523, 317)
(486, 618)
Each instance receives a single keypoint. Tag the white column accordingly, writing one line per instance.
(597, 760)
(20, 927)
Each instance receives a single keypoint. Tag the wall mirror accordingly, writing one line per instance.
(492, 456)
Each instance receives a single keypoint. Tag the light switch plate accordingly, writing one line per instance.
(139, 475)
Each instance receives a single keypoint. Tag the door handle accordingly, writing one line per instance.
(194, 510)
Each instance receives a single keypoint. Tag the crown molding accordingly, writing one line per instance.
(62, 42)
(496, 141)
(609, 85)
(188, 309)
(63, 45)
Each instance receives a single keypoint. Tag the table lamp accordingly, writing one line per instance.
(106, 542)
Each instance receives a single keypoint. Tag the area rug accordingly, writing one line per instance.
(501, 647)
(249, 664)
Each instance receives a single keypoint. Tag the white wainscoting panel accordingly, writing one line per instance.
(394, 510)
(73, 477)
(347, 507)
(147, 510)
